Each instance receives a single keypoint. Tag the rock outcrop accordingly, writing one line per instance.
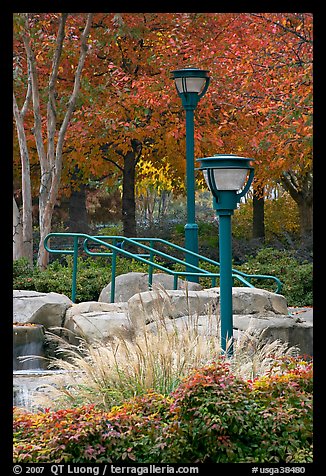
(129, 284)
(98, 321)
(253, 309)
(48, 309)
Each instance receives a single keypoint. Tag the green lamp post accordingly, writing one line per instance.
(229, 178)
(191, 84)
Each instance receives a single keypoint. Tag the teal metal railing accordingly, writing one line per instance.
(116, 247)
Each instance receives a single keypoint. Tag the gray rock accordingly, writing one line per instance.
(295, 332)
(98, 321)
(253, 309)
(129, 284)
(199, 325)
(152, 306)
(48, 309)
(95, 306)
(256, 301)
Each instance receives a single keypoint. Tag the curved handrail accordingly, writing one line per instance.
(142, 257)
(215, 263)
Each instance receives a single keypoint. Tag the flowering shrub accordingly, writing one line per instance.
(222, 418)
(213, 416)
(89, 435)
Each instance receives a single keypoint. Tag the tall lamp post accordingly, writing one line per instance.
(191, 84)
(229, 178)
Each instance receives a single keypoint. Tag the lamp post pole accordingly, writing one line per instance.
(191, 84)
(226, 281)
(228, 180)
(191, 228)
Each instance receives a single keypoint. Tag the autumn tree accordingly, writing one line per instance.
(258, 103)
(49, 128)
(266, 104)
(129, 68)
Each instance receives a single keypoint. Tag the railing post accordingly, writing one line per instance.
(113, 271)
(74, 269)
(150, 267)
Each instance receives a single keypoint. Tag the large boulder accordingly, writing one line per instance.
(129, 284)
(296, 332)
(254, 310)
(156, 305)
(98, 321)
(257, 301)
(48, 309)
(152, 305)
(196, 325)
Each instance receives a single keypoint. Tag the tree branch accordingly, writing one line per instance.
(113, 162)
(283, 27)
(28, 96)
(73, 97)
(51, 107)
(36, 98)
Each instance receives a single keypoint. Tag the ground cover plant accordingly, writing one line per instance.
(212, 416)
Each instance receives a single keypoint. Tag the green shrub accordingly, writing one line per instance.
(93, 275)
(23, 274)
(22, 268)
(213, 416)
(297, 278)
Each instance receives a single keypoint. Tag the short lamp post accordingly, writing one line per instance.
(229, 178)
(191, 84)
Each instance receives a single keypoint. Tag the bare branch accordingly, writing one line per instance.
(28, 97)
(73, 97)
(283, 27)
(51, 107)
(33, 78)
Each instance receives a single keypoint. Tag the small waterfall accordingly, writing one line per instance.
(31, 386)
(22, 397)
(32, 379)
(28, 347)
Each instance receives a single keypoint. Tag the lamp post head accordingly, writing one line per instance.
(191, 84)
(227, 178)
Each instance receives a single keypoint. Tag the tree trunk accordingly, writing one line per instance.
(306, 216)
(45, 217)
(26, 221)
(300, 187)
(78, 222)
(128, 196)
(128, 189)
(51, 160)
(258, 221)
(18, 244)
